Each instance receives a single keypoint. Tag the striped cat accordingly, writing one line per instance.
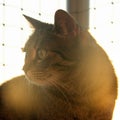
(68, 76)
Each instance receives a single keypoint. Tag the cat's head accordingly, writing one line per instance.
(51, 51)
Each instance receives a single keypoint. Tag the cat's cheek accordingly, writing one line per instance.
(36, 80)
(28, 77)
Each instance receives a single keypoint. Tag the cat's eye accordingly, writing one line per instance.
(42, 53)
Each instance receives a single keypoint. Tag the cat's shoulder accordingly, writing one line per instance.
(13, 81)
(13, 85)
(13, 95)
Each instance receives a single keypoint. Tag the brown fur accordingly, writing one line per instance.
(68, 76)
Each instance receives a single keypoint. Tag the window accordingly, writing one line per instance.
(14, 31)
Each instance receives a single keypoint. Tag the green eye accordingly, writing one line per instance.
(42, 53)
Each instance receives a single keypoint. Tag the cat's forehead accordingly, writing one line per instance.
(40, 38)
(45, 27)
(46, 37)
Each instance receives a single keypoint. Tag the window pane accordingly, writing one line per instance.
(12, 37)
(31, 5)
(14, 3)
(13, 56)
(12, 16)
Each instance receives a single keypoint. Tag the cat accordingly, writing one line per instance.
(68, 76)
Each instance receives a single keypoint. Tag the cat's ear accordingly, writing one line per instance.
(65, 24)
(33, 22)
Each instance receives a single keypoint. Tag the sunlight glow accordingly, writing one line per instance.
(104, 26)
